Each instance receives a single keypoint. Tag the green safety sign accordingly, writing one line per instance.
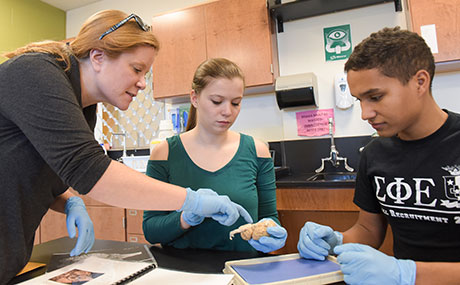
(337, 42)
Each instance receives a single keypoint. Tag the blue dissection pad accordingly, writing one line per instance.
(284, 270)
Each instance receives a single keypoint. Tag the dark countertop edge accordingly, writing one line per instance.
(311, 184)
(292, 180)
(281, 171)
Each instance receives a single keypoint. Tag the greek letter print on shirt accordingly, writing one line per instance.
(395, 197)
(452, 186)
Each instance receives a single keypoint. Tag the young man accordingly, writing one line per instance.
(409, 177)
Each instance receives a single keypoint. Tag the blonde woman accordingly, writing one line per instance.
(48, 96)
(211, 155)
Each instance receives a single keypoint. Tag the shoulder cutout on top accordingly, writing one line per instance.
(261, 149)
(160, 152)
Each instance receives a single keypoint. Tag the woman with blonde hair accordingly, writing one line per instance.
(48, 96)
(211, 155)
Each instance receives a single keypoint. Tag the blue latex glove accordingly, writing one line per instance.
(78, 217)
(193, 219)
(317, 241)
(220, 207)
(362, 264)
(275, 241)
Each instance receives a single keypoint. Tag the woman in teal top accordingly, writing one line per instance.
(209, 155)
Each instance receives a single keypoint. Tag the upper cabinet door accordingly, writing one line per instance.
(445, 14)
(240, 31)
(182, 48)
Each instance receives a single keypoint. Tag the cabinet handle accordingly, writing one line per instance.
(132, 212)
(124, 222)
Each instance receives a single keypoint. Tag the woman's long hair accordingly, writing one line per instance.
(126, 37)
(208, 70)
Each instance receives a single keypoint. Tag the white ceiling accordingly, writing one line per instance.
(69, 4)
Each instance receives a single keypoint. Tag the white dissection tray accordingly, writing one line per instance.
(288, 269)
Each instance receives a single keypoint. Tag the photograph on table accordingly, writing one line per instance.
(75, 277)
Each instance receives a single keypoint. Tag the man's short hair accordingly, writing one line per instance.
(395, 53)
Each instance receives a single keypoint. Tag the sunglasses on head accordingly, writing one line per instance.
(138, 19)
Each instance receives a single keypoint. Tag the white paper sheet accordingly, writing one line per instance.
(114, 270)
(429, 35)
(171, 277)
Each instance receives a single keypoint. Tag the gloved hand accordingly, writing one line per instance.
(219, 207)
(362, 264)
(193, 219)
(77, 216)
(317, 241)
(275, 241)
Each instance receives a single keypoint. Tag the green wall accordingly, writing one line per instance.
(25, 21)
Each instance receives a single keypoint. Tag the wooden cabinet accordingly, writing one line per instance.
(108, 222)
(53, 226)
(445, 15)
(182, 48)
(134, 232)
(37, 236)
(239, 30)
(332, 207)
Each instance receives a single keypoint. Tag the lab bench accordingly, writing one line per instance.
(202, 261)
(324, 204)
(188, 260)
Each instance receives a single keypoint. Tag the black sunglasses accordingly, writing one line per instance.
(138, 19)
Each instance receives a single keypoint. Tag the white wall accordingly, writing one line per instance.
(301, 49)
(146, 9)
(446, 90)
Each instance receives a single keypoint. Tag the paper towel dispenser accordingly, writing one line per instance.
(296, 90)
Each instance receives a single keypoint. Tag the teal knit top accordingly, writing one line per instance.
(247, 180)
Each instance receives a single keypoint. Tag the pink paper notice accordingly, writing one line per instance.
(314, 123)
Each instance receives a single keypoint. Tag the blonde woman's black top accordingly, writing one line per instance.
(46, 145)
